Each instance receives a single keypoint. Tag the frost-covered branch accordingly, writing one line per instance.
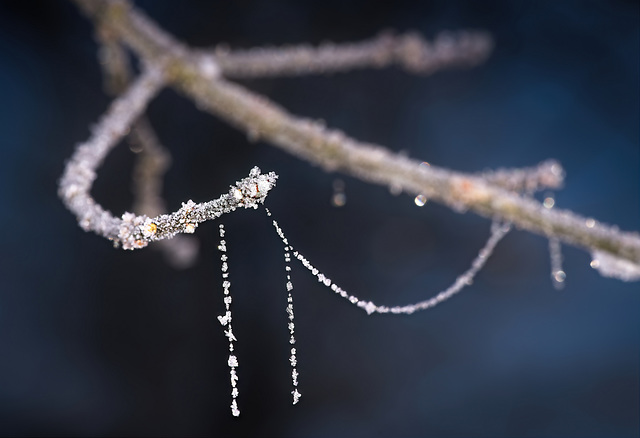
(152, 159)
(136, 231)
(80, 171)
(410, 51)
(198, 75)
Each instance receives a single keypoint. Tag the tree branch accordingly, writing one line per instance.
(410, 51)
(132, 231)
(197, 75)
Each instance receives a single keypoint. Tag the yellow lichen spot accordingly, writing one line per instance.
(152, 228)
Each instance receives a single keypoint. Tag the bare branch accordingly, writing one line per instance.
(546, 175)
(410, 51)
(153, 159)
(196, 75)
(133, 231)
(80, 171)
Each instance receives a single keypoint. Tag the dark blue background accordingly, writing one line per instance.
(97, 341)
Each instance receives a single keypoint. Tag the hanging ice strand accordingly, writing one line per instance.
(292, 340)
(225, 320)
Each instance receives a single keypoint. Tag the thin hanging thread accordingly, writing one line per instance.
(498, 231)
(558, 275)
(291, 326)
(225, 320)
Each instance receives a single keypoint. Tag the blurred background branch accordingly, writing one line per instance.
(197, 74)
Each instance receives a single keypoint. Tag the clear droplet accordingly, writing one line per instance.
(424, 165)
(590, 223)
(420, 200)
(338, 199)
(594, 264)
(549, 202)
(559, 276)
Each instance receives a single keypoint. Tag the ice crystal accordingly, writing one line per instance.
(296, 396)
(226, 318)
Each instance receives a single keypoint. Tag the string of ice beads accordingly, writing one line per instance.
(291, 326)
(225, 320)
(498, 231)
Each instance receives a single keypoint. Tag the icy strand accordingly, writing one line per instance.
(498, 231)
(291, 326)
(555, 251)
(225, 320)
(557, 273)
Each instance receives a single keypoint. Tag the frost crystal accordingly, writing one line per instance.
(229, 334)
(368, 306)
(234, 408)
(224, 320)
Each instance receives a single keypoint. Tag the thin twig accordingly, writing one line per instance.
(410, 51)
(136, 231)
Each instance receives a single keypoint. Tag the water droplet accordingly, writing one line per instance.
(420, 200)
(590, 223)
(559, 276)
(594, 264)
(549, 202)
(338, 199)
(424, 165)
